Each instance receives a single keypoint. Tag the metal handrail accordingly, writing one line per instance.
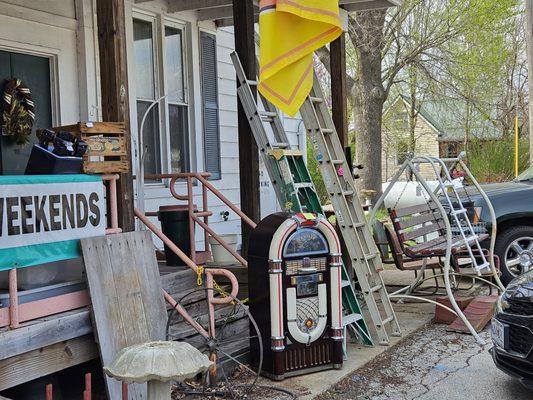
(201, 217)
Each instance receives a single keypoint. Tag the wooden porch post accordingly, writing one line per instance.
(339, 95)
(243, 17)
(114, 88)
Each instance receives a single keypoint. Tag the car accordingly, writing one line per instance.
(512, 330)
(513, 206)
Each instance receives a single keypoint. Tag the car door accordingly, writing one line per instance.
(34, 72)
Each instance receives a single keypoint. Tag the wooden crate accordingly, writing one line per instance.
(106, 141)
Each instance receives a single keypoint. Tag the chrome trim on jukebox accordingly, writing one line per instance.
(275, 266)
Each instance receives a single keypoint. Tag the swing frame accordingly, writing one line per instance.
(410, 164)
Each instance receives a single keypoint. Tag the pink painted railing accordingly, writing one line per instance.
(16, 313)
(201, 217)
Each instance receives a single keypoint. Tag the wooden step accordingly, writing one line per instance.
(479, 312)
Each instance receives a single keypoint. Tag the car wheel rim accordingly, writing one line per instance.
(519, 256)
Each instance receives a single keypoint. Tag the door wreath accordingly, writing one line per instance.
(18, 111)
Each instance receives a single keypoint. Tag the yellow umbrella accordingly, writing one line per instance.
(290, 31)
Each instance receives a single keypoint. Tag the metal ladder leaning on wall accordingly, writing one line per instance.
(340, 185)
(292, 182)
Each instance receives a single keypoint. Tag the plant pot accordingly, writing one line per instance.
(220, 255)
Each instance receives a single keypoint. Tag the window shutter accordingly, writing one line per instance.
(208, 46)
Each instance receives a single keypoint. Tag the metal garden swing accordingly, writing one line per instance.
(439, 232)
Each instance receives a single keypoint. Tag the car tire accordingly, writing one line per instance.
(503, 241)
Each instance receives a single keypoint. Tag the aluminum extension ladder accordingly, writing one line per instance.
(340, 185)
(295, 190)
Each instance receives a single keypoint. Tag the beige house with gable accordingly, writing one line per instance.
(439, 131)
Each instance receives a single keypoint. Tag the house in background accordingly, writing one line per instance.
(440, 130)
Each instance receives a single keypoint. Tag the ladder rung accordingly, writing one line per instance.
(370, 256)
(280, 145)
(348, 193)
(268, 114)
(327, 130)
(302, 185)
(337, 162)
(375, 288)
(468, 240)
(251, 82)
(458, 212)
(388, 319)
(351, 319)
(316, 99)
(345, 283)
(482, 266)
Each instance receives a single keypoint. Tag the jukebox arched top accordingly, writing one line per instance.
(305, 242)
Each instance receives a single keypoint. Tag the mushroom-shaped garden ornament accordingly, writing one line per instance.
(158, 363)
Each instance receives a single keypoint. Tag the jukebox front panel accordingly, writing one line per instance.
(299, 312)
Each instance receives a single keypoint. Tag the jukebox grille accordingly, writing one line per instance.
(306, 357)
(293, 266)
(307, 313)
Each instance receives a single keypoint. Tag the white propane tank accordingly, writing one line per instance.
(409, 193)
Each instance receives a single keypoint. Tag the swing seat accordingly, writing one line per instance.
(425, 222)
(392, 253)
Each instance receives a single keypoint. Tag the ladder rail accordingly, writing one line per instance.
(432, 161)
(350, 216)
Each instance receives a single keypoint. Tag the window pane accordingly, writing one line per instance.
(144, 59)
(174, 65)
(179, 138)
(151, 145)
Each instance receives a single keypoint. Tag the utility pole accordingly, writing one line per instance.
(529, 40)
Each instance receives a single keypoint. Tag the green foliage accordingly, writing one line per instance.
(312, 166)
(493, 161)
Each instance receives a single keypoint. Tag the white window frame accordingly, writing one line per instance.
(52, 56)
(159, 22)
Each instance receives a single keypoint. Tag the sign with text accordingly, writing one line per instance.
(40, 211)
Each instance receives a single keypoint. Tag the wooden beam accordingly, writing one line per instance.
(339, 91)
(44, 361)
(114, 88)
(243, 15)
(186, 5)
(45, 333)
(220, 23)
(361, 5)
(210, 14)
(223, 13)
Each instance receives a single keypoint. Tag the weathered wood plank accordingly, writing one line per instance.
(41, 362)
(45, 333)
(127, 301)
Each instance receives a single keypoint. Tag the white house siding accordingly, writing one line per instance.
(229, 152)
(63, 31)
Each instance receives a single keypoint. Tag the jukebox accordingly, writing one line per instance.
(294, 278)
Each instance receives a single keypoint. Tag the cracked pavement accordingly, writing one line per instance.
(432, 364)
